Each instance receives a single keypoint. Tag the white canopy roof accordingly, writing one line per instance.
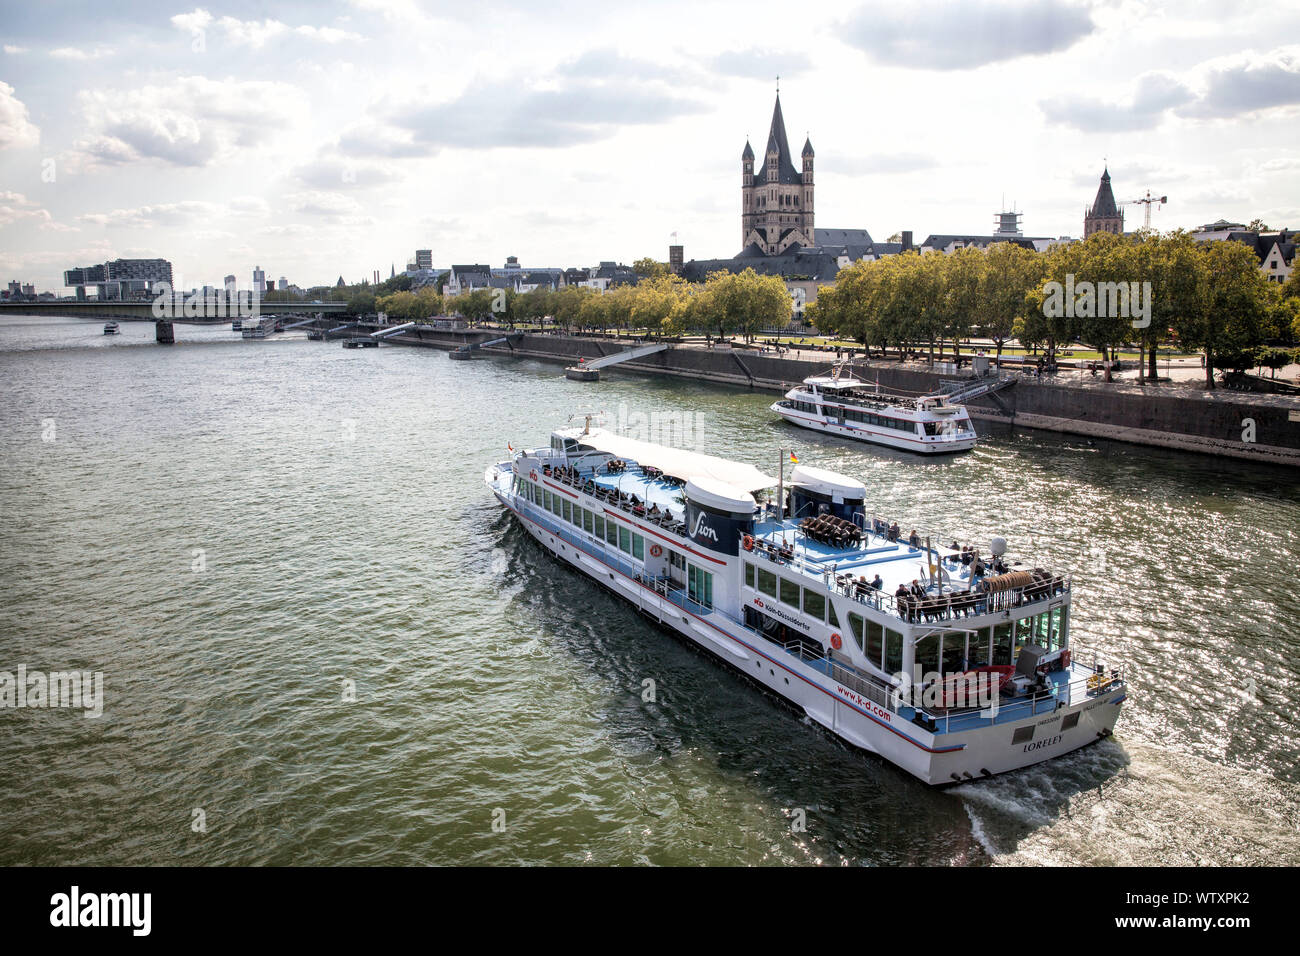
(686, 465)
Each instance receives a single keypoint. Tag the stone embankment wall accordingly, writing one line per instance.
(1259, 428)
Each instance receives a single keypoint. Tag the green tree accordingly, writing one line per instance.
(649, 268)
(1232, 310)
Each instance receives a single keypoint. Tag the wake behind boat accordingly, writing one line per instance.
(841, 404)
(950, 664)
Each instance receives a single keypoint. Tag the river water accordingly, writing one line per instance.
(322, 642)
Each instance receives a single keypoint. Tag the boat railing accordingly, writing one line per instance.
(1063, 693)
(948, 607)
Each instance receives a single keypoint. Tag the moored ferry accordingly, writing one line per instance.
(952, 664)
(841, 404)
(258, 328)
(111, 328)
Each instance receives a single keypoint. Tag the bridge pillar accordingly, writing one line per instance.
(164, 332)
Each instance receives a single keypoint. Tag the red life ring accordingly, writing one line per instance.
(835, 641)
(656, 550)
(748, 542)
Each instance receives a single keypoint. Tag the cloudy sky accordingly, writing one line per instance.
(315, 139)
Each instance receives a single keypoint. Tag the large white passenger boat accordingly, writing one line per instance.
(969, 674)
(841, 404)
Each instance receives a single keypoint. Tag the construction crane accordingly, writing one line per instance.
(1147, 202)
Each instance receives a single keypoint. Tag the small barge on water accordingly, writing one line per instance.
(948, 666)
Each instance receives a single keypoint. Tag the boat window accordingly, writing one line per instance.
(926, 660)
(546, 499)
(767, 582)
(568, 514)
(789, 593)
(1003, 640)
(600, 527)
(611, 533)
(587, 522)
(749, 575)
(555, 505)
(979, 647)
(814, 603)
(677, 560)
(875, 642)
(855, 625)
(624, 539)
(953, 652)
(893, 652)
(638, 547)
(832, 618)
(699, 586)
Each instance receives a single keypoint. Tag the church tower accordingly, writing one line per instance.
(776, 201)
(1105, 215)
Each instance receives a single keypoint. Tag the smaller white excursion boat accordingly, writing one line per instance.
(111, 328)
(842, 404)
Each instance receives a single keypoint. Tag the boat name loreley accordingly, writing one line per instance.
(951, 662)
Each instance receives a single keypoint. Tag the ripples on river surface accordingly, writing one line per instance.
(337, 498)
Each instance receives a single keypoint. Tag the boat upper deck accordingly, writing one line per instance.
(847, 564)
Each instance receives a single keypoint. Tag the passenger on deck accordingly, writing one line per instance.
(877, 583)
(967, 555)
(917, 590)
(914, 539)
(894, 532)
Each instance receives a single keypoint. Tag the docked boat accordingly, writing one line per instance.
(111, 328)
(237, 325)
(950, 667)
(842, 404)
(360, 342)
(258, 328)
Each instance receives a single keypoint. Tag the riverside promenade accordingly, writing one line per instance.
(1180, 415)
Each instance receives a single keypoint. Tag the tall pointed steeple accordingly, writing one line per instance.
(778, 143)
(1104, 214)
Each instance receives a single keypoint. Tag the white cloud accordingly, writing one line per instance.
(76, 53)
(14, 50)
(189, 212)
(964, 34)
(15, 207)
(190, 121)
(16, 128)
(1239, 85)
(257, 33)
(333, 173)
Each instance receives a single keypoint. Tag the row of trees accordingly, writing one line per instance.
(1207, 296)
(661, 304)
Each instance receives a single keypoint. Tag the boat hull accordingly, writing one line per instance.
(936, 758)
(914, 443)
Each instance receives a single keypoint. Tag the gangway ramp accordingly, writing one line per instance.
(590, 371)
(393, 330)
(961, 392)
(467, 351)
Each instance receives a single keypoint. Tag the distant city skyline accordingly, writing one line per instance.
(336, 138)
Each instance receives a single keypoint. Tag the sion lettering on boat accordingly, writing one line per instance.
(702, 529)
